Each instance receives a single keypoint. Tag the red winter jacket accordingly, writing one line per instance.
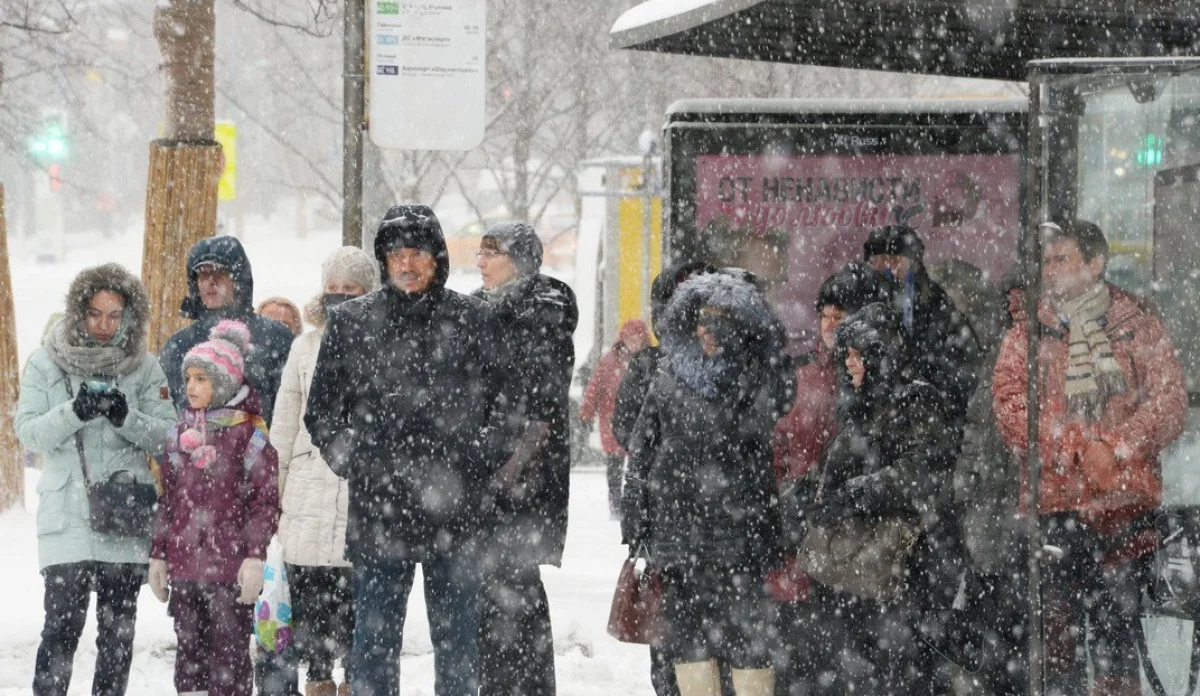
(600, 397)
(1137, 424)
(802, 434)
(211, 519)
(799, 439)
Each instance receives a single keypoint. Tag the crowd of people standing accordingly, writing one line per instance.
(822, 522)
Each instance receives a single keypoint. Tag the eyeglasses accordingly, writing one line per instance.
(489, 254)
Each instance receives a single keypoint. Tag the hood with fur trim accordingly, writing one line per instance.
(760, 331)
(67, 341)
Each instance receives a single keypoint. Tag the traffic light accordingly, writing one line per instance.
(49, 144)
(1150, 151)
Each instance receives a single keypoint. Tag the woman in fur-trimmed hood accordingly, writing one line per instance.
(312, 527)
(91, 396)
(700, 493)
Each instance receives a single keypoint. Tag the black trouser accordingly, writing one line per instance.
(614, 465)
(516, 642)
(68, 591)
(322, 618)
(999, 606)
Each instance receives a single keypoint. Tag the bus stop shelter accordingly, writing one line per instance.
(959, 38)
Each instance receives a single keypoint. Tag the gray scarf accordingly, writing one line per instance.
(68, 348)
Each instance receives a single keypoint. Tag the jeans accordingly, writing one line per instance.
(68, 590)
(452, 603)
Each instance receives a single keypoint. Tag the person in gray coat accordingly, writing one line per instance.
(93, 397)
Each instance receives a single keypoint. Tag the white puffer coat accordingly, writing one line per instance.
(312, 527)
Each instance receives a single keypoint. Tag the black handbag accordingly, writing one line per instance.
(119, 506)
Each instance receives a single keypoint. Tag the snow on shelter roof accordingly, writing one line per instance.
(849, 106)
(960, 38)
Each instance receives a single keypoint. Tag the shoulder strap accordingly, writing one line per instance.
(87, 480)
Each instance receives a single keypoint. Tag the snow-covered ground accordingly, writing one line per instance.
(588, 660)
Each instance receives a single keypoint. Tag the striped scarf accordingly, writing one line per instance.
(1093, 374)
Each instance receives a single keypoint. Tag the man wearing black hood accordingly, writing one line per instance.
(221, 286)
(945, 350)
(403, 404)
(537, 314)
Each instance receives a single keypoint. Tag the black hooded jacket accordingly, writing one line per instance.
(701, 485)
(270, 340)
(403, 404)
(536, 318)
(893, 455)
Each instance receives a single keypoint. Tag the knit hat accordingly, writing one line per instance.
(895, 240)
(520, 242)
(222, 357)
(353, 264)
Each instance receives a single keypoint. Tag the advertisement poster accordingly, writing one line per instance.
(426, 65)
(795, 219)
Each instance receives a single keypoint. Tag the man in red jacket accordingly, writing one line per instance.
(1111, 398)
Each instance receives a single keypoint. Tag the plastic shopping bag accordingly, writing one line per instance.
(273, 610)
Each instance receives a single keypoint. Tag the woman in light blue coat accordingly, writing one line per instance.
(92, 399)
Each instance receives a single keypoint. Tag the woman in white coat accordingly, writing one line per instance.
(312, 527)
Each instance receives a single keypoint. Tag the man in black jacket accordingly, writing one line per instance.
(404, 404)
(221, 286)
(945, 351)
(538, 315)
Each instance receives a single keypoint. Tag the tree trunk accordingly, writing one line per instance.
(181, 189)
(12, 471)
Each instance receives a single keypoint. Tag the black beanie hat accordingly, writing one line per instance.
(520, 242)
(895, 240)
(853, 287)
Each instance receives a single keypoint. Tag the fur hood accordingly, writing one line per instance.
(65, 340)
(761, 330)
(314, 312)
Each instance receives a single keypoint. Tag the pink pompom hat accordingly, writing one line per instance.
(222, 357)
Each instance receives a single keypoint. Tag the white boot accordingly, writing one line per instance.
(698, 678)
(754, 682)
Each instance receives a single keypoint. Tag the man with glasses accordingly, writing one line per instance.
(404, 404)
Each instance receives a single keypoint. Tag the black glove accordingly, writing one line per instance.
(86, 404)
(118, 407)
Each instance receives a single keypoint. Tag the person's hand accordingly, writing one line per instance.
(159, 579)
(250, 579)
(1100, 465)
(118, 407)
(86, 404)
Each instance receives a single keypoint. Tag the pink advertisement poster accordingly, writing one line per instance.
(796, 219)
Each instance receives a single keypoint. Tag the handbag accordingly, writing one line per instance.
(273, 609)
(636, 615)
(118, 506)
(865, 558)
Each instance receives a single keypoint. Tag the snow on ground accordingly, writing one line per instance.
(589, 662)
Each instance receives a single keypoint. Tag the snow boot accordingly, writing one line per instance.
(754, 682)
(321, 688)
(344, 689)
(698, 678)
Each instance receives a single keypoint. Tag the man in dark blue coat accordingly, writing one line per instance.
(221, 286)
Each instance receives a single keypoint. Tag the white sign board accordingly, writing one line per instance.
(426, 66)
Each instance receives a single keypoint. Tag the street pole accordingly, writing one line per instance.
(647, 230)
(353, 103)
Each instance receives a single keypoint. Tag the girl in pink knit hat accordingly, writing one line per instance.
(218, 511)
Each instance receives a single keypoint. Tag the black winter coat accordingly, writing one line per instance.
(701, 487)
(945, 350)
(893, 456)
(536, 320)
(631, 393)
(403, 405)
(270, 340)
